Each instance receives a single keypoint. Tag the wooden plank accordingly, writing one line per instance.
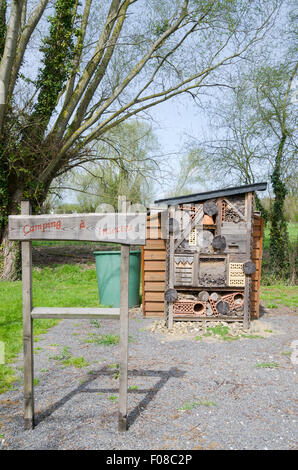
(154, 275)
(159, 255)
(154, 286)
(247, 289)
(153, 233)
(123, 359)
(171, 269)
(27, 327)
(218, 217)
(75, 313)
(152, 314)
(154, 265)
(229, 228)
(154, 306)
(124, 228)
(154, 296)
(210, 288)
(155, 244)
(195, 273)
(143, 280)
(256, 278)
(211, 318)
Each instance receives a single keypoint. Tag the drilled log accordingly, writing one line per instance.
(203, 295)
(249, 267)
(171, 295)
(219, 242)
(210, 208)
(222, 307)
(209, 311)
(214, 296)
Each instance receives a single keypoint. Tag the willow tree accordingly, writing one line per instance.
(96, 65)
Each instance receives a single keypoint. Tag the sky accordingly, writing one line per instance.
(174, 122)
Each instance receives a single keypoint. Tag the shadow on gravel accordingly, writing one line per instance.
(164, 376)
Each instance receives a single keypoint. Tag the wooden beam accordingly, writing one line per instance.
(195, 273)
(247, 289)
(212, 318)
(27, 327)
(124, 325)
(123, 228)
(75, 313)
(171, 269)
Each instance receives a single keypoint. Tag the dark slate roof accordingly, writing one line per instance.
(248, 188)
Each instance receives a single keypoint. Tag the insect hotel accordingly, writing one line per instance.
(202, 258)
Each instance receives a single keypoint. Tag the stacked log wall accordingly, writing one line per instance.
(153, 269)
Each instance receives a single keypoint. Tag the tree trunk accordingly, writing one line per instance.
(10, 251)
(10, 259)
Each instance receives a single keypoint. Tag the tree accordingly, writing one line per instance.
(257, 139)
(129, 166)
(99, 64)
(279, 122)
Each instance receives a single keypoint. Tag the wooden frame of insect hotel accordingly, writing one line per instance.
(202, 258)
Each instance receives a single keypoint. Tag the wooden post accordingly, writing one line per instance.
(27, 326)
(171, 268)
(124, 326)
(124, 277)
(247, 289)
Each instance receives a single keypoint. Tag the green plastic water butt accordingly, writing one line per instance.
(108, 277)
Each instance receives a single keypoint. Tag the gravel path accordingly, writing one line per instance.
(228, 402)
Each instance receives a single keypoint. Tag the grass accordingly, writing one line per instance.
(113, 397)
(218, 330)
(59, 286)
(106, 339)
(78, 362)
(292, 231)
(95, 323)
(190, 405)
(268, 278)
(66, 359)
(277, 295)
(223, 332)
(267, 365)
(133, 387)
(64, 355)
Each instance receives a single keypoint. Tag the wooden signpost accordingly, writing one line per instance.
(122, 228)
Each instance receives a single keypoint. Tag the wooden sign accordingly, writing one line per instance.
(123, 228)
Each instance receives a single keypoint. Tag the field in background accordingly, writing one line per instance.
(60, 286)
(292, 231)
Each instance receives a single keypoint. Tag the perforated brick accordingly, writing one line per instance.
(236, 275)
